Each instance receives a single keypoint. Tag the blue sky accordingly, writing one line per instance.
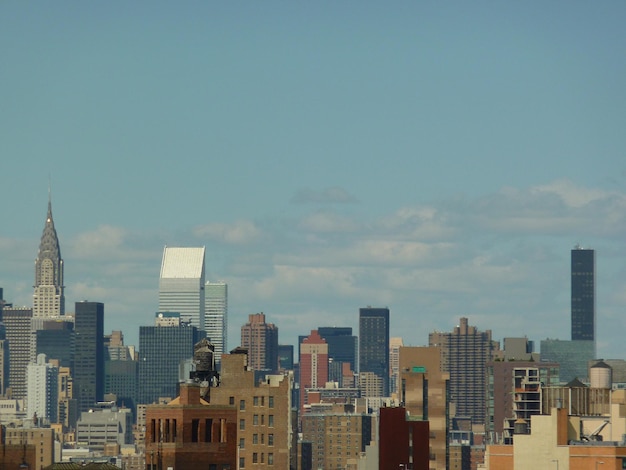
(440, 159)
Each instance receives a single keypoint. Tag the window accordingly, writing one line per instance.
(255, 438)
(262, 438)
(255, 458)
(262, 420)
(242, 443)
(270, 459)
(262, 401)
(270, 439)
(242, 424)
(270, 421)
(255, 420)
(271, 402)
(231, 400)
(242, 462)
(242, 404)
(195, 425)
(256, 401)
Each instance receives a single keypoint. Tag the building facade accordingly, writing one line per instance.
(17, 322)
(43, 391)
(181, 284)
(313, 365)
(89, 354)
(465, 353)
(162, 348)
(374, 344)
(261, 341)
(583, 294)
(49, 297)
(216, 316)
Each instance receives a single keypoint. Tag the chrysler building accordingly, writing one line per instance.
(48, 298)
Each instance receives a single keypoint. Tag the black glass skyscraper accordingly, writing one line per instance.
(89, 354)
(583, 294)
(162, 348)
(374, 343)
(342, 346)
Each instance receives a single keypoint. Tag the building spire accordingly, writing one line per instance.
(48, 298)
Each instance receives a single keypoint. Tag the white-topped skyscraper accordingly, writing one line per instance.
(216, 317)
(48, 298)
(181, 284)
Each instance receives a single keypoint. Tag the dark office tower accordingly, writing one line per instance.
(342, 346)
(48, 298)
(162, 348)
(285, 356)
(17, 323)
(89, 355)
(374, 344)
(56, 340)
(120, 371)
(583, 294)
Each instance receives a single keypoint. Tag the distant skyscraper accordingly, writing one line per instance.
(465, 354)
(394, 364)
(48, 298)
(56, 340)
(17, 322)
(583, 294)
(285, 356)
(261, 341)
(374, 344)
(162, 348)
(313, 364)
(342, 345)
(89, 354)
(216, 318)
(181, 284)
(43, 390)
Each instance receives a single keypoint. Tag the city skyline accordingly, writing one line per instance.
(440, 160)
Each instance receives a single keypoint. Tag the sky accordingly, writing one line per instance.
(437, 158)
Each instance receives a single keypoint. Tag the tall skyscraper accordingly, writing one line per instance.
(583, 294)
(48, 298)
(89, 354)
(374, 344)
(17, 322)
(313, 365)
(162, 348)
(216, 317)
(181, 284)
(4, 361)
(465, 353)
(261, 341)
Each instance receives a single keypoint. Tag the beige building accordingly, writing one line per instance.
(266, 434)
(556, 441)
(337, 437)
(421, 378)
(42, 439)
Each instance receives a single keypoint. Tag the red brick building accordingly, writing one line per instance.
(189, 433)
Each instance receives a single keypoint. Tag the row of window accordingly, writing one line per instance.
(257, 458)
(256, 401)
(255, 421)
(255, 440)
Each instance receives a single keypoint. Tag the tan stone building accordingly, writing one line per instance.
(422, 391)
(265, 421)
(336, 436)
(36, 445)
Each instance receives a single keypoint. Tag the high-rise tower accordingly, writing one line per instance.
(261, 341)
(181, 284)
(48, 298)
(216, 317)
(374, 344)
(583, 294)
(89, 354)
